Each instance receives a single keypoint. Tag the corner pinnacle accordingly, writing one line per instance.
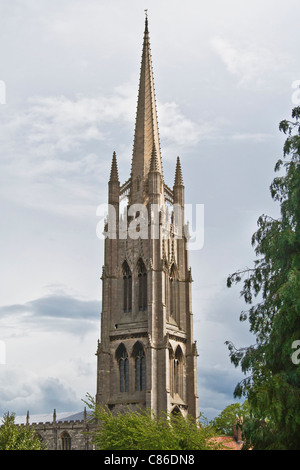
(178, 174)
(114, 169)
(154, 164)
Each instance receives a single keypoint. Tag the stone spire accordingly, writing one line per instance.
(146, 318)
(146, 127)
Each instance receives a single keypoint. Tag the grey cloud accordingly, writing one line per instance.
(60, 306)
(220, 381)
(20, 392)
(215, 389)
(53, 311)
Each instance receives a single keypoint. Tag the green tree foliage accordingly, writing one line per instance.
(144, 431)
(224, 422)
(272, 290)
(13, 437)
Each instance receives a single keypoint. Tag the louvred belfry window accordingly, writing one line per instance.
(127, 288)
(140, 367)
(122, 358)
(142, 283)
(172, 292)
(178, 372)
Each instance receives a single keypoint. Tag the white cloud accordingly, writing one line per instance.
(52, 149)
(250, 63)
(62, 124)
(54, 125)
(178, 129)
(47, 146)
(253, 137)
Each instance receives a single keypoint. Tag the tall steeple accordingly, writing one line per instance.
(146, 135)
(146, 356)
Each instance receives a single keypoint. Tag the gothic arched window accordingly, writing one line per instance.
(172, 292)
(171, 369)
(127, 288)
(140, 367)
(66, 441)
(178, 371)
(142, 281)
(122, 358)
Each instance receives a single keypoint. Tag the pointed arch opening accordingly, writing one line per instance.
(172, 291)
(123, 363)
(127, 288)
(66, 442)
(138, 354)
(176, 411)
(171, 370)
(142, 285)
(178, 372)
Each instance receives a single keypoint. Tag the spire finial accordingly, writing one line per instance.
(146, 20)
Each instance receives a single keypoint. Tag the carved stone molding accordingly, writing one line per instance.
(128, 336)
(180, 339)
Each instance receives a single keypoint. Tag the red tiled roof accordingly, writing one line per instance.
(228, 443)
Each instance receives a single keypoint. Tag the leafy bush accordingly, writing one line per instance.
(225, 421)
(142, 430)
(13, 437)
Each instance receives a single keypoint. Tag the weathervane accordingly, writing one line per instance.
(146, 13)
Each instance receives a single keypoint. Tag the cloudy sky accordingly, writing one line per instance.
(224, 75)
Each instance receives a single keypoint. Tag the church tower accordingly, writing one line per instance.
(146, 354)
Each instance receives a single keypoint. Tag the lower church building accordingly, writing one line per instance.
(146, 355)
